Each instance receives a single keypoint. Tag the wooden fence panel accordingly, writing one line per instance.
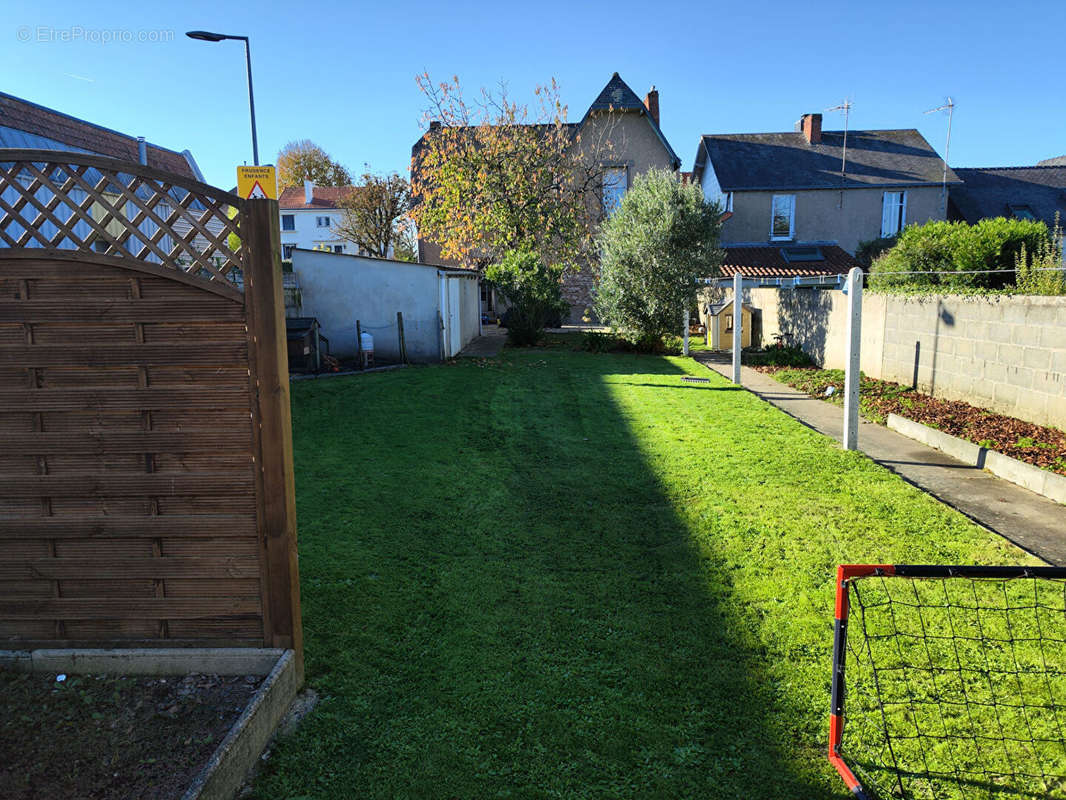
(146, 467)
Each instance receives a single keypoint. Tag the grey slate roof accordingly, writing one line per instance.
(771, 161)
(989, 192)
(617, 95)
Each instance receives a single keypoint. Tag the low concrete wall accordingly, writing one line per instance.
(1041, 481)
(1004, 353)
(340, 289)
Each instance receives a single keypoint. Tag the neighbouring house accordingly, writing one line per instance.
(440, 307)
(805, 186)
(789, 267)
(1037, 193)
(636, 144)
(28, 125)
(309, 215)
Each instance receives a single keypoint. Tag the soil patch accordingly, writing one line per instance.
(112, 737)
(1040, 446)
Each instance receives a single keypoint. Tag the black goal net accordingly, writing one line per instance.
(950, 682)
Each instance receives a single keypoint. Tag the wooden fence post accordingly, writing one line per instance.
(276, 495)
(403, 341)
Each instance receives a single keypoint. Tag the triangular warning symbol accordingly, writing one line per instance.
(257, 192)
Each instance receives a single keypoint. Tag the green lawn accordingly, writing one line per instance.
(570, 575)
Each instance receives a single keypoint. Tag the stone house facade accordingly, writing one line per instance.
(628, 127)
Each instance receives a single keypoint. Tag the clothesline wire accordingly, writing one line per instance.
(965, 271)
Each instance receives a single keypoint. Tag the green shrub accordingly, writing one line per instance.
(534, 291)
(1041, 271)
(868, 251)
(779, 355)
(958, 256)
(654, 249)
(598, 341)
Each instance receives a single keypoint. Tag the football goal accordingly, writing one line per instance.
(949, 683)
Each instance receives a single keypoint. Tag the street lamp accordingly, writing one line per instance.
(207, 36)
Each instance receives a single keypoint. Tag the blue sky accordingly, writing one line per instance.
(343, 74)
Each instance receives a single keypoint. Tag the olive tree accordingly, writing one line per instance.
(654, 251)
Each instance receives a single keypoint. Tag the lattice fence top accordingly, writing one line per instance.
(72, 201)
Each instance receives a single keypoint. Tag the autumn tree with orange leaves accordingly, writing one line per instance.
(493, 176)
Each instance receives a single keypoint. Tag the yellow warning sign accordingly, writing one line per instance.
(257, 183)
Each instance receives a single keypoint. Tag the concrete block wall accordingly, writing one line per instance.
(1005, 353)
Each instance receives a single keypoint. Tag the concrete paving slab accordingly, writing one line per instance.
(487, 345)
(1032, 522)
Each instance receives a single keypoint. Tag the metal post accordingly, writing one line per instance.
(738, 322)
(684, 336)
(251, 101)
(851, 378)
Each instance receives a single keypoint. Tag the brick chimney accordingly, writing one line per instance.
(811, 127)
(309, 191)
(651, 102)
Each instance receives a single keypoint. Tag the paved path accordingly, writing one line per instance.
(1031, 521)
(487, 345)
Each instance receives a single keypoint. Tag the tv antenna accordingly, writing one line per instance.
(846, 108)
(948, 106)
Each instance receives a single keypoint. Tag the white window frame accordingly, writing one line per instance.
(320, 224)
(614, 168)
(290, 246)
(727, 204)
(791, 218)
(338, 248)
(291, 218)
(898, 217)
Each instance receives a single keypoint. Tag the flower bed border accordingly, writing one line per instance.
(1042, 481)
(225, 771)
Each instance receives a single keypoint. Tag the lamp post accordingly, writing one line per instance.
(207, 36)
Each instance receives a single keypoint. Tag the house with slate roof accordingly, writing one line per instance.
(806, 188)
(1037, 193)
(637, 144)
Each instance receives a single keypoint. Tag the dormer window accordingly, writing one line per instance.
(1021, 211)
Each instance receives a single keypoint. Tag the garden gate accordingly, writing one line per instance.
(146, 480)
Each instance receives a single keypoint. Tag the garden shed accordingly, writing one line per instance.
(719, 322)
(440, 306)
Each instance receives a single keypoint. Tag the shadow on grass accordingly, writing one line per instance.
(500, 599)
